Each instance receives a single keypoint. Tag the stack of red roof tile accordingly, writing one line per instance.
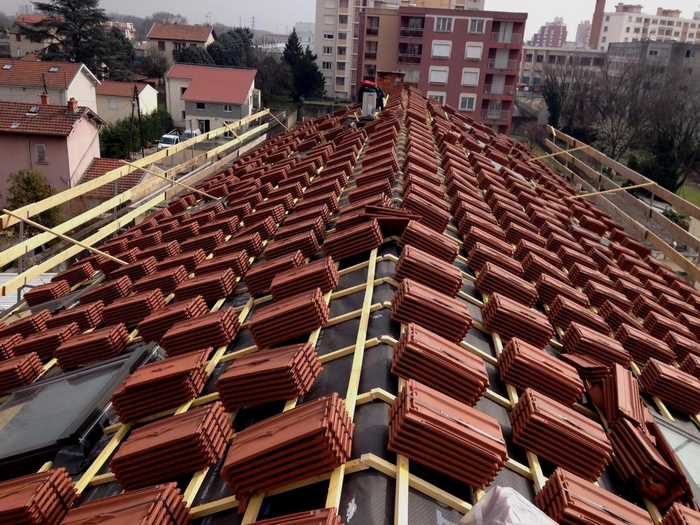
(354, 240)
(211, 286)
(692, 322)
(238, 262)
(599, 294)
(681, 515)
(27, 326)
(46, 342)
(564, 311)
(678, 389)
(440, 364)
(524, 365)
(133, 309)
(494, 279)
(289, 318)
(47, 292)
(108, 291)
(306, 242)
(159, 386)
(161, 251)
(548, 288)
(643, 346)
(76, 274)
(86, 316)
(188, 259)
(212, 330)
(182, 233)
(276, 374)
(19, 371)
(159, 505)
(569, 499)
(446, 435)
(682, 346)
(164, 280)
(691, 365)
(580, 339)
(615, 316)
(659, 325)
(437, 312)
(321, 274)
(621, 397)
(259, 277)
(42, 498)
(541, 425)
(429, 270)
(428, 240)
(313, 517)
(169, 448)
(314, 438)
(7, 345)
(153, 327)
(94, 346)
(509, 318)
(206, 242)
(136, 270)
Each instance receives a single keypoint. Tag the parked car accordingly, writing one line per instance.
(168, 140)
(189, 133)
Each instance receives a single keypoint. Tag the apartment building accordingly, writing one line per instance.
(536, 60)
(678, 58)
(337, 34)
(552, 34)
(583, 33)
(629, 24)
(468, 59)
(168, 39)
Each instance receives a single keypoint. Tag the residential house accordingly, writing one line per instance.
(169, 38)
(208, 97)
(114, 99)
(26, 80)
(60, 141)
(125, 27)
(536, 60)
(20, 45)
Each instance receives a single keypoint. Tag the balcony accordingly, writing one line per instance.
(411, 32)
(507, 91)
(503, 65)
(369, 55)
(502, 38)
(494, 115)
(372, 31)
(409, 58)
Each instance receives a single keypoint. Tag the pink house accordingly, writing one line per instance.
(58, 141)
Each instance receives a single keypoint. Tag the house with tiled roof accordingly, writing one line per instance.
(101, 166)
(60, 141)
(114, 99)
(26, 80)
(169, 38)
(207, 97)
(20, 44)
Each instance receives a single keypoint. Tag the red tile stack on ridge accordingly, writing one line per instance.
(313, 517)
(161, 505)
(135, 271)
(526, 366)
(7, 345)
(620, 397)
(26, 326)
(94, 346)
(188, 259)
(252, 243)
(160, 386)
(481, 253)
(509, 318)
(660, 325)
(164, 280)
(437, 312)
(430, 241)
(321, 274)
(548, 288)
(108, 291)
(172, 447)
(642, 346)
(570, 499)
(42, 498)
(19, 371)
(275, 374)
(288, 318)
(46, 342)
(259, 277)
(692, 322)
(451, 437)
(615, 316)
(494, 279)
(678, 389)
(153, 327)
(238, 262)
(87, 316)
(47, 292)
(211, 286)
(76, 274)
(214, 330)
(440, 364)
(424, 268)
(581, 339)
(311, 439)
(541, 425)
(563, 312)
(679, 514)
(352, 241)
(133, 309)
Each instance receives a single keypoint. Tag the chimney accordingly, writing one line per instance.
(44, 99)
(72, 105)
(597, 25)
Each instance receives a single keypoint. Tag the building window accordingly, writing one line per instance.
(467, 102)
(328, 36)
(438, 74)
(327, 65)
(627, 30)
(228, 108)
(470, 76)
(371, 50)
(327, 50)
(473, 51)
(411, 76)
(373, 25)
(339, 81)
(437, 96)
(528, 57)
(605, 29)
(201, 105)
(343, 20)
(182, 91)
(41, 153)
(540, 59)
(443, 24)
(342, 51)
(607, 18)
(161, 45)
(476, 25)
(370, 71)
(442, 48)
(342, 35)
(340, 66)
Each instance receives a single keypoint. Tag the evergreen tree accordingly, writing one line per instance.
(307, 79)
(293, 52)
(234, 48)
(74, 29)
(193, 55)
(28, 187)
(118, 55)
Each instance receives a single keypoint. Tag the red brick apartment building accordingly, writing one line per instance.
(468, 59)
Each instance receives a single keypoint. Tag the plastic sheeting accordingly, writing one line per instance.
(505, 506)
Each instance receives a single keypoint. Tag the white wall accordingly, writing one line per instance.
(173, 97)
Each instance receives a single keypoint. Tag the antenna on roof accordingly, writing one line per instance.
(43, 81)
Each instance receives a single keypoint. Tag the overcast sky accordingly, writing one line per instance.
(280, 15)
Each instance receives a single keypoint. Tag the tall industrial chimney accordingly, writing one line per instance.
(597, 24)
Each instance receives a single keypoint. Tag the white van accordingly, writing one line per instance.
(168, 140)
